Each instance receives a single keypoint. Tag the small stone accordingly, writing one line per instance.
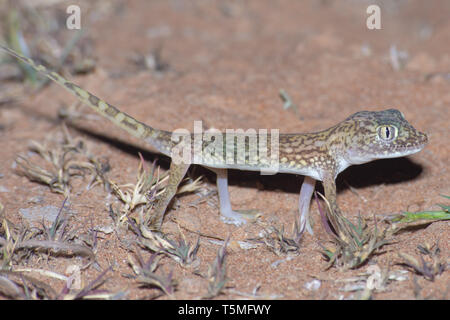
(48, 213)
(312, 285)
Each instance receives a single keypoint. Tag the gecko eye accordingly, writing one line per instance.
(387, 133)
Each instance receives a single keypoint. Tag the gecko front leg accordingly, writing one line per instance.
(176, 175)
(337, 219)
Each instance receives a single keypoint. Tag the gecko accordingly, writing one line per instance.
(319, 156)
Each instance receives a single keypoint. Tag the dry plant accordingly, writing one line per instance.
(354, 244)
(56, 240)
(19, 19)
(17, 243)
(275, 240)
(148, 186)
(143, 193)
(181, 251)
(145, 273)
(64, 160)
(429, 270)
(90, 291)
(217, 273)
(16, 285)
(288, 104)
(375, 279)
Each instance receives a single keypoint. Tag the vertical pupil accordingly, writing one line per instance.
(387, 132)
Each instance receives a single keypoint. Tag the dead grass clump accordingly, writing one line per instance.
(149, 185)
(145, 274)
(59, 239)
(181, 251)
(353, 243)
(276, 241)
(62, 161)
(18, 243)
(428, 269)
(217, 273)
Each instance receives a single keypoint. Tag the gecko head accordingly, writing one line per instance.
(381, 134)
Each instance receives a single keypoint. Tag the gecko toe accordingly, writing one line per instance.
(239, 217)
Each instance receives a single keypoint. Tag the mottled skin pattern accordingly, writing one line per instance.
(362, 137)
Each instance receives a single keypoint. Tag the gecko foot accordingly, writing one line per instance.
(239, 217)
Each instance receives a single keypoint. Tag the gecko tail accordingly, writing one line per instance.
(136, 128)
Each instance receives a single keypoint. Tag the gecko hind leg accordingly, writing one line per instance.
(176, 175)
(304, 201)
(227, 215)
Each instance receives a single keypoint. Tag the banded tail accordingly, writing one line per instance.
(159, 139)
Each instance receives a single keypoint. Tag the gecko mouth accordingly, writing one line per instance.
(420, 141)
(407, 150)
(419, 145)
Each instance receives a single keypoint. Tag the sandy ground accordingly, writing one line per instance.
(226, 62)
